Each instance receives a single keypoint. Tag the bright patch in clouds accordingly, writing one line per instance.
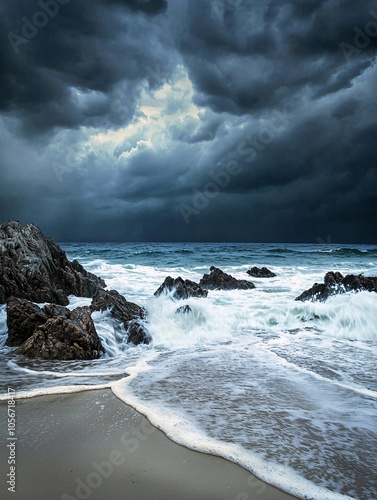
(158, 112)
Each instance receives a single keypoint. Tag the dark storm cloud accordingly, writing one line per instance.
(87, 47)
(280, 49)
(282, 147)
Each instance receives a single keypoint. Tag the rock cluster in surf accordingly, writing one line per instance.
(35, 269)
(335, 283)
(180, 289)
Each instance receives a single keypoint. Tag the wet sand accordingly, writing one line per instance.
(91, 445)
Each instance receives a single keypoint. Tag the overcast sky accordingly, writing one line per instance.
(190, 120)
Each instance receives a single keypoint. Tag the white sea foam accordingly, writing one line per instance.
(79, 374)
(353, 316)
(48, 391)
(206, 323)
(182, 413)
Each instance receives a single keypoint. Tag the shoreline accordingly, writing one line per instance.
(92, 445)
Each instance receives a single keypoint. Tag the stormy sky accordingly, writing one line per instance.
(190, 120)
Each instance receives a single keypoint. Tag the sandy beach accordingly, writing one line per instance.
(91, 445)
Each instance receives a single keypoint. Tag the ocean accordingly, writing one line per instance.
(286, 389)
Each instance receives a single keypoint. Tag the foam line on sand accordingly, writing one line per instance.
(91, 445)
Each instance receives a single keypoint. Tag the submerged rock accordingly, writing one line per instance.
(34, 267)
(67, 335)
(183, 309)
(180, 289)
(263, 272)
(218, 280)
(336, 283)
(126, 312)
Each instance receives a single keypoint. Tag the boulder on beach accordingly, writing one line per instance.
(257, 272)
(23, 318)
(218, 280)
(67, 335)
(126, 312)
(180, 289)
(336, 283)
(34, 267)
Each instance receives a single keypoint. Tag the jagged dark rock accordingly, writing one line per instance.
(336, 283)
(263, 272)
(34, 267)
(137, 334)
(180, 289)
(23, 318)
(71, 335)
(51, 332)
(126, 312)
(360, 283)
(332, 278)
(119, 307)
(183, 310)
(218, 280)
(52, 310)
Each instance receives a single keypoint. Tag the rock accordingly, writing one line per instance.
(65, 337)
(318, 291)
(335, 283)
(120, 308)
(36, 268)
(23, 318)
(3, 294)
(263, 272)
(360, 283)
(137, 334)
(52, 310)
(51, 332)
(180, 289)
(126, 312)
(183, 310)
(218, 280)
(332, 278)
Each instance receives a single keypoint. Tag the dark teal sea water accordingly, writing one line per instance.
(284, 388)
